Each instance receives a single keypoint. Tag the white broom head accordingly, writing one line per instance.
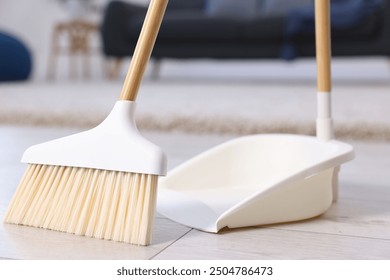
(100, 183)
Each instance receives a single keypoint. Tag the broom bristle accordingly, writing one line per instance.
(110, 205)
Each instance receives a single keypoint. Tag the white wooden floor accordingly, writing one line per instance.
(357, 227)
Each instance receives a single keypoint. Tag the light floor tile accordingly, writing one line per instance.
(265, 243)
(358, 218)
(22, 242)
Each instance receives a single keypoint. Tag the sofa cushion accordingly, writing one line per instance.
(349, 21)
(185, 4)
(282, 7)
(264, 28)
(185, 25)
(364, 31)
(232, 8)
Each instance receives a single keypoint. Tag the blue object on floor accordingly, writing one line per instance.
(15, 59)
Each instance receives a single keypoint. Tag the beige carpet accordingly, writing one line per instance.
(361, 110)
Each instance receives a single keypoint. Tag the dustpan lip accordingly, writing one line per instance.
(208, 223)
(344, 148)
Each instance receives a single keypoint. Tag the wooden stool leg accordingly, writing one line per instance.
(72, 66)
(54, 52)
(156, 69)
(114, 69)
(87, 72)
(51, 68)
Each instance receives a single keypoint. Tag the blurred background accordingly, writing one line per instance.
(35, 24)
(210, 56)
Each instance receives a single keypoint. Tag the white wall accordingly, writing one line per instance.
(30, 21)
(33, 21)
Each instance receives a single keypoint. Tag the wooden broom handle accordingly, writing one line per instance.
(143, 49)
(323, 45)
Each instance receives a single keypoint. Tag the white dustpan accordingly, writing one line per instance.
(262, 179)
(254, 180)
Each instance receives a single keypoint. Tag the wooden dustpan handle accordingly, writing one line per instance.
(324, 123)
(143, 49)
(323, 45)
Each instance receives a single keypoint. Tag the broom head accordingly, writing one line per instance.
(100, 183)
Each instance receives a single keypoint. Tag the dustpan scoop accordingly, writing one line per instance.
(262, 179)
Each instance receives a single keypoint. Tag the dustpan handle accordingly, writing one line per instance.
(324, 123)
(323, 45)
(143, 49)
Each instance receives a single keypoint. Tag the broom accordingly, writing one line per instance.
(100, 183)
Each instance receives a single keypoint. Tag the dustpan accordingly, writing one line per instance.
(267, 178)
